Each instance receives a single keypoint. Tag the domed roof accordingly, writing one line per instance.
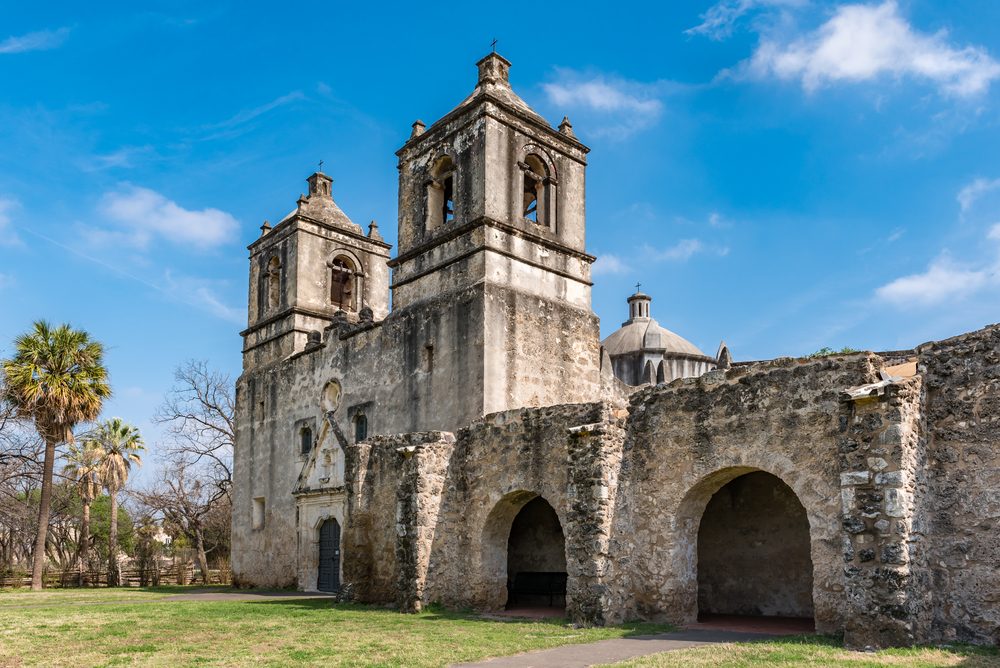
(641, 332)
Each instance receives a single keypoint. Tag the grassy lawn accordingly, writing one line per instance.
(136, 627)
(816, 651)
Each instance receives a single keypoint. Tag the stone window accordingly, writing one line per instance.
(360, 427)
(272, 284)
(258, 513)
(441, 194)
(538, 192)
(305, 440)
(343, 283)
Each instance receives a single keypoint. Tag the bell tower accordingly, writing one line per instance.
(491, 208)
(314, 263)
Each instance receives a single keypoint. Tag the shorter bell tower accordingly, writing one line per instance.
(315, 262)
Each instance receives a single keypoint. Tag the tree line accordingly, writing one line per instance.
(64, 472)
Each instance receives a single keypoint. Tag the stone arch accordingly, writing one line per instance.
(493, 554)
(346, 277)
(442, 187)
(537, 186)
(687, 522)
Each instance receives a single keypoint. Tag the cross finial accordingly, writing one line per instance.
(637, 286)
(494, 45)
(321, 165)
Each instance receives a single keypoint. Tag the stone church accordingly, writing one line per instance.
(477, 443)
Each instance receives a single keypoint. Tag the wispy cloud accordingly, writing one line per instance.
(863, 42)
(197, 292)
(237, 124)
(123, 157)
(975, 189)
(622, 107)
(607, 264)
(8, 237)
(682, 251)
(143, 215)
(203, 295)
(34, 41)
(6, 280)
(721, 18)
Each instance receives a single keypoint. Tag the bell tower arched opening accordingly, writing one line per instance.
(754, 551)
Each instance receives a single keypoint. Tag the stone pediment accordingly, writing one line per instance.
(324, 468)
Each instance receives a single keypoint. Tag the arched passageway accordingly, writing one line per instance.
(536, 558)
(754, 551)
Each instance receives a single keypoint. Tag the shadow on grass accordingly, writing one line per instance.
(439, 613)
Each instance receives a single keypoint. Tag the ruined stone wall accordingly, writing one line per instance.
(882, 461)
(959, 515)
(688, 439)
(447, 505)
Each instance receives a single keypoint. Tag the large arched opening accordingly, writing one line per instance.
(524, 556)
(536, 558)
(754, 552)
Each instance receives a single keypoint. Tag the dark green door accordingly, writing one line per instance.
(329, 556)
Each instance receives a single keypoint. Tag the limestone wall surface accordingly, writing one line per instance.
(958, 518)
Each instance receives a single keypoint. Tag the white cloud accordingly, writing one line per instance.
(968, 195)
(144, 215)
(718, 22)
(942, 281)
(609, 264)
(8, 237)
(6, 280)
(864, 42)
(34, 41)
(625, 106)
(994, 232)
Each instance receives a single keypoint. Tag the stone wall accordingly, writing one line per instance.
(881, 460)
(958, 519)
(688, 439)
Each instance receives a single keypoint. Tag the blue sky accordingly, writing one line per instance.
(783, 174)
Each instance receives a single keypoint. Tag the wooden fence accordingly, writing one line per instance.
(172, 574)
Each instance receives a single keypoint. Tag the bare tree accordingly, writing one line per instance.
(199, 412)
(192, 492)
(189, 501)
(21, 451)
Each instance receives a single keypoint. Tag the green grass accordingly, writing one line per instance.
(137, 627)
(816, 651)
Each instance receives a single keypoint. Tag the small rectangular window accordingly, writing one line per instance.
(258, 512)
(305, 440)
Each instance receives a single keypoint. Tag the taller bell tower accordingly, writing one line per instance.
(491, 212)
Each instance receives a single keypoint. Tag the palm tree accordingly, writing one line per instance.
(82, 467)
(56, 378)
(121, 443)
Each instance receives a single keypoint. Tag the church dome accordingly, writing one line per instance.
(641, 332)
(642, 351)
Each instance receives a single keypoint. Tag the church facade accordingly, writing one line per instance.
(479, 434)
